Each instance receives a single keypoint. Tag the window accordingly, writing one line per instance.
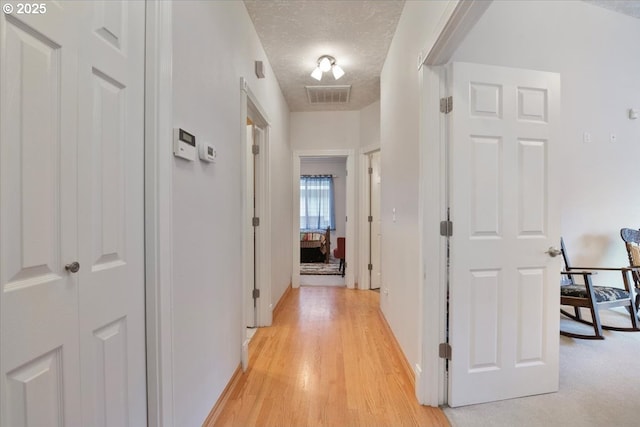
(316, 202)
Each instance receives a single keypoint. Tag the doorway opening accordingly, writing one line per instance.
(256, 258)
(374, 220)
(323, 220)
(326, 162)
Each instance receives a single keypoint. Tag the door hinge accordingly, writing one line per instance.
(446, 228)
(446, 105)
(256, 293)
(444, 350)
(255, 221)
(370, 267)
(370, 218)
(255, 149)
(370, 171)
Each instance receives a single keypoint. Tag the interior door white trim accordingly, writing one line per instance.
(351, 215)
(250, 107)
(457, 20)
(158, 213)
(431, 386)
(364, 278)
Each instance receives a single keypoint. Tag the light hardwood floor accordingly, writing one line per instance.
(328, 360)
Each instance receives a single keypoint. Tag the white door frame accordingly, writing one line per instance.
(431, 383)
(158, 212)
(250, 107)
(351, 215)
(457, 21)
(364, 276)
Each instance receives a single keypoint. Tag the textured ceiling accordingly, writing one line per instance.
(294, 33)
(628, 7)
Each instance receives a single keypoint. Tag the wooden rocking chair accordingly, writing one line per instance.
(631, 239)
(595, 297)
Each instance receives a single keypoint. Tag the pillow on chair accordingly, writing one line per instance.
(634, 251)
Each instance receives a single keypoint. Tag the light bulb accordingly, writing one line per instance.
(317, 74)
(337, 72)
(325, 64)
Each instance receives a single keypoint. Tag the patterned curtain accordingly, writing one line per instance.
(316, 202)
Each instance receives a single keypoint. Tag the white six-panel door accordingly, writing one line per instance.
(504, 298)
(71, 190)
(250, 244)
(376, 223)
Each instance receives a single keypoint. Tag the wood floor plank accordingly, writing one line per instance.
(328, 360)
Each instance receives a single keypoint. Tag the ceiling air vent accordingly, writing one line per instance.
(337, 94)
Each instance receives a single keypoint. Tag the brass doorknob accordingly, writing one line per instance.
(73, 267)
(554, 252)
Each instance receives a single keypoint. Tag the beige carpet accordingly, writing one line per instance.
(599, 386)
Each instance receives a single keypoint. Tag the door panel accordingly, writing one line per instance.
(375, 235)
(109, 18)
(258, 232)
(486, 179)
(532, 187)
(35, 392)
(250, 302)
(110, 373)
(107, 191)
(111, 220)
(503, 286)
(531, 316)
(71, 189)
(31, 149)
(40, 383)
(484, 315)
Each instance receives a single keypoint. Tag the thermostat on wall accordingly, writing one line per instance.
(207, 152)
(184, 144)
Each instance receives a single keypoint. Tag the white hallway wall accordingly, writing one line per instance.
(336, 130)
(370, 125)
(325, 130)
(400, 96)
(214, 44)
(595, 51)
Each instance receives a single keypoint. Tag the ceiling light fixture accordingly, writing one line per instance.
(326, 63)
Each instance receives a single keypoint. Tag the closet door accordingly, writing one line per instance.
(71, 217)
(38, 219)
(111, 213)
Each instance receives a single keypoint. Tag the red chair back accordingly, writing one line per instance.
(339, 251)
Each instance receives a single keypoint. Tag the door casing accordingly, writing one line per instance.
(456, 22)
(363, 207)
(251, 108)
(158, 212)
(351, 216)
